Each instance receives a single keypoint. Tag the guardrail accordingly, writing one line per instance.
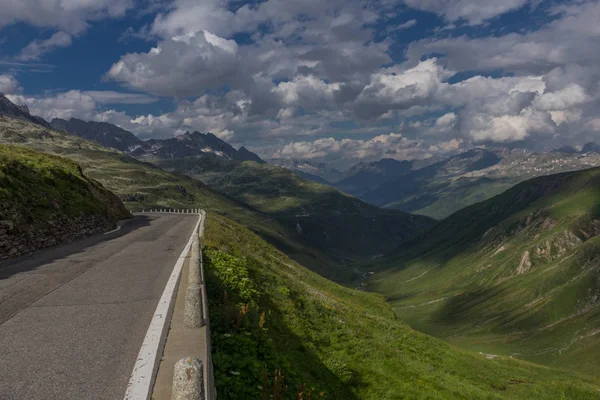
(193, 376)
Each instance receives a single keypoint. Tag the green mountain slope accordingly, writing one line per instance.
(518, 274)
(44, 197)
(321, 216)
(270, 317)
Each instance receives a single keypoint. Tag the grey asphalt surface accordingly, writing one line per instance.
(73, 318)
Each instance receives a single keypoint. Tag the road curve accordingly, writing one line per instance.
(73, 318)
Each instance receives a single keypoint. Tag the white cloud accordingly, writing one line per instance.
(72, 16)
(80, 104)
(9, 85)
(406, 25)
(37, 48)
(111, 97)
(446, 121)
(182, 66)
(473, 11)
(348, 151)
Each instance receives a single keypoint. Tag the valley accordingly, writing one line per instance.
(517, 275)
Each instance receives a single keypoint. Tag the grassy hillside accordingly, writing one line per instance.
(321, 216)
(280, 330)
(518, 274)
(35, 187)
(45, 200)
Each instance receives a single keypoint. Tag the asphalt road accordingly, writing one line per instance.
(73, 318)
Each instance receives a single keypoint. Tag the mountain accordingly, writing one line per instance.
(418, 190)
(326, 341)
(317, 172)
(517, 275)
(364, 176)
(566, 149)
(590, 148)
(321, 216)
(9, 109)
(106, 134)
(186, 145)
(445, 187)
(46, 200)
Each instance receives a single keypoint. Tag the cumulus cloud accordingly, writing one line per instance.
(37, 48)
(182, 66)
(72, 16)
(9, 85)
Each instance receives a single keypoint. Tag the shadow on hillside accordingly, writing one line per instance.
(471, 307)
(53, 254)
(254, 353)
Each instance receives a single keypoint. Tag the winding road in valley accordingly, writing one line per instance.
(73, 318)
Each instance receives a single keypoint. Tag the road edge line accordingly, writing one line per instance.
(144, 371)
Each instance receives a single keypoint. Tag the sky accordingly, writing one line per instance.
(337, 81)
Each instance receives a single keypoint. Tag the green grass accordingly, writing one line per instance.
(344, 343)
(36, 188)
(462, 282)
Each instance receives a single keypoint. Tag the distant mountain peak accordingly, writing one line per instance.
(184, 145)
(10, 109)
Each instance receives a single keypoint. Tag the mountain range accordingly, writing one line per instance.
(186, 145)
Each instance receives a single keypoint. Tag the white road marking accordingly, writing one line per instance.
(114, 230)
(145, 368)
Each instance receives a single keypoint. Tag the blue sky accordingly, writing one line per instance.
(327, 81)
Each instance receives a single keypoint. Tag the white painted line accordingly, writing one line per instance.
(144, 371)
(114, 230)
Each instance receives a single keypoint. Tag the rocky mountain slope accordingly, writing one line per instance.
(46, 200)
(518, 274)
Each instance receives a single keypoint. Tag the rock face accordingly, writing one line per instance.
(525, 264)
(102, 132)
(8, 108)
(14, 243)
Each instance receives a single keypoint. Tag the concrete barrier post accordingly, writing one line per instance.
(195, 275)
(188, 379)
(193, 317)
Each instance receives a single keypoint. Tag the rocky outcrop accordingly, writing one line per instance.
(15, 242)
(525, 264)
